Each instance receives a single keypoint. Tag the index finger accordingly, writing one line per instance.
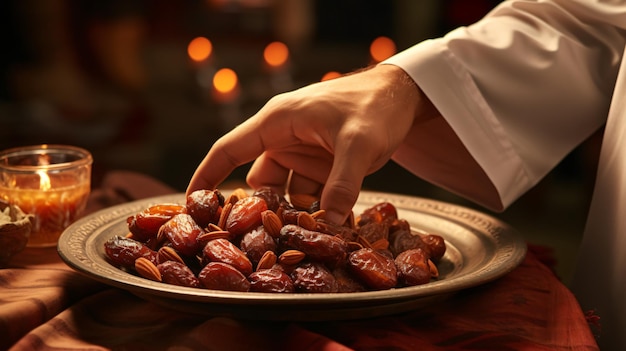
(241, 145)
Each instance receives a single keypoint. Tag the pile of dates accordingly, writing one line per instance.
(264, 243)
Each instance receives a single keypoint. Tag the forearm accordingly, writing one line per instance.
(518, 90)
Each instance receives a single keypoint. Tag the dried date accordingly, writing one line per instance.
(222, 250)
(270, 280)
(413, 267)
(245, 215)
(182, 232)
(205, 206)
(375, 270)
(256, 243)
(123, 251)
(313, 277)
(222, 276)
(145, 224)
(177, 273)
(317, 246)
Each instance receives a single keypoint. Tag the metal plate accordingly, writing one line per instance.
(480, 249)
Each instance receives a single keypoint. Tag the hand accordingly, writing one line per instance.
(322, 139)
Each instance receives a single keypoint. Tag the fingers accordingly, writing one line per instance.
(227, 154)
(302, 169)
(351, 164)
(267, 172)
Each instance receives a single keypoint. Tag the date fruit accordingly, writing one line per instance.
(182, 232)
(177, 273)
(375, 270)
(123, 252)
(317, 246)
(312, 277)
(270, 280)
(222, 276)
(145, 224)
(222, 250)
(413, 267)
(204, 206)
(245, 215)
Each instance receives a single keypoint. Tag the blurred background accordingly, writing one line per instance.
(148, 86)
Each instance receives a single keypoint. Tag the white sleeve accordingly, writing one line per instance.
(521, 89)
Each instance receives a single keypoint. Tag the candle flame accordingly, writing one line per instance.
(44, 181)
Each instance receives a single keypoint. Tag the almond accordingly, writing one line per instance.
(272, 223)
(291, 257)
(216, 234)
(302, 201)
(147, 269)
(236, 195)
(434, 271)
(167, 253)
(319, 214)
(306, 221)
(267, 260)
(224, 215)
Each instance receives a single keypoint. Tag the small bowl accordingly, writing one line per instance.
(15, 227)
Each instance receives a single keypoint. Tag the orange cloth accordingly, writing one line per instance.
(46, 305)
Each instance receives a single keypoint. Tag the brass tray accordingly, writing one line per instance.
(480, 249)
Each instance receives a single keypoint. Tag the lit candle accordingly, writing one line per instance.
(51, 182)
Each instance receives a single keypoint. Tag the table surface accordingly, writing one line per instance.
(44, 304)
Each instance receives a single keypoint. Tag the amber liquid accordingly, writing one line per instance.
(54, 210)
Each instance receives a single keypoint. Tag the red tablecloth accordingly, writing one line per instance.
(46, 305)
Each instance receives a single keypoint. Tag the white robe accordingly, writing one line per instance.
(519, 90)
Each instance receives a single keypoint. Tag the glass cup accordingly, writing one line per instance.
(51, 182)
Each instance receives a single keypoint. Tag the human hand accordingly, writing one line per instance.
(322, 139)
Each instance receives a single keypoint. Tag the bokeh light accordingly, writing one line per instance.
(276, 54)
(330, 75)
(382, 48)
(200, 49)
(225, 80)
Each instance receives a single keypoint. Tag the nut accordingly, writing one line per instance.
(236, 195)
(224, 215)
(267, 260)
(306, 221)
(147, 269)
(167, 253)
(291, 257)
(216, 234)
(302, 201)
(272, 223)
(319, 214)
(434, 271)
(212, 227)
